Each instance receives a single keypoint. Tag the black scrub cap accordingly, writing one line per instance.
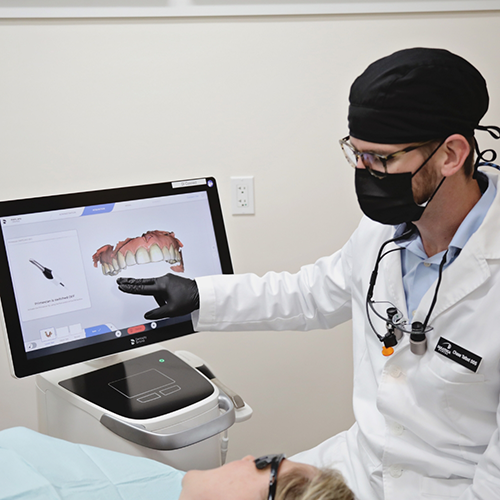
(415, 95)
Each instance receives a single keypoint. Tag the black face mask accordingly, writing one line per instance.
(390, 200)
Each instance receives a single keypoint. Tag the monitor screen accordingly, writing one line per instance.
(60, 257)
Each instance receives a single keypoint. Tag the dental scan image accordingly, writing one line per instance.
(152, 246)
(62, 294)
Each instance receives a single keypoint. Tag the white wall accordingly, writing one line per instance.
(92, 104)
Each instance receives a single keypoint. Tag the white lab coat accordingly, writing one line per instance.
(426, 427)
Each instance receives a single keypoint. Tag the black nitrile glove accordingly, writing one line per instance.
(176, 296)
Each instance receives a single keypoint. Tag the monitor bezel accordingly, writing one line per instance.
(21, 365)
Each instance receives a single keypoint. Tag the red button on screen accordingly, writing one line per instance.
(136, 329)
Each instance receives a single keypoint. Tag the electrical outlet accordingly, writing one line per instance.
(242, 195)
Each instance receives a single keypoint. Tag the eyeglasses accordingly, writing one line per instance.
(274, 461)
(375, 164)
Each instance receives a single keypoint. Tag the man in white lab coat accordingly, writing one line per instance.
(426, 367)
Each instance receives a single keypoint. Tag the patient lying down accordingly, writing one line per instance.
(265, 479)
(35, 466)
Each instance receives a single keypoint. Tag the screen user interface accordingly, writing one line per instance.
(64, 265)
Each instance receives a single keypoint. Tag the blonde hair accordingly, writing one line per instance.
(328, 484)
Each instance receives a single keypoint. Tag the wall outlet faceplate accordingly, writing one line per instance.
(242, 195)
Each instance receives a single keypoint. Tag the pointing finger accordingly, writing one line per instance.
(138, 288)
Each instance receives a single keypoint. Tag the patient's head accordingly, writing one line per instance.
(241, 480)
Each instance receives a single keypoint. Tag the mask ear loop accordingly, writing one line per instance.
(420, 168)
(429, 157)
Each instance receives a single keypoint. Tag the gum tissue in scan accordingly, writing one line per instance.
(153, 246)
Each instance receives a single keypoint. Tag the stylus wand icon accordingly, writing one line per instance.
(47, 273)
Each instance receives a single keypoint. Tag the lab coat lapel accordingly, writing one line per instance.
(467, 273)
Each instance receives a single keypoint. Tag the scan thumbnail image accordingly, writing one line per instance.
(152, 246)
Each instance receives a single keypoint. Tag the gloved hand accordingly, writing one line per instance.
(176, 296)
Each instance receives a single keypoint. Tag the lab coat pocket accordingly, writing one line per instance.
(465, 399)
(452, 372)
(443, 488)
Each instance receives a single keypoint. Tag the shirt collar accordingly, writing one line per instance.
(474, 218)
(467, 228)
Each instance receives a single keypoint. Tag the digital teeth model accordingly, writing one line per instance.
(153, 246)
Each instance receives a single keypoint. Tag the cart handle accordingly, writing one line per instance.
(138, 434)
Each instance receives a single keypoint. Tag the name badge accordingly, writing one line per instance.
(458, 354)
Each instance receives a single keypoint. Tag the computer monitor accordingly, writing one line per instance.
(60, 257)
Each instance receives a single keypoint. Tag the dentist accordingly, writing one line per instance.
(420, 278)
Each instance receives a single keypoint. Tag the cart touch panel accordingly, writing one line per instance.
(60, 257)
